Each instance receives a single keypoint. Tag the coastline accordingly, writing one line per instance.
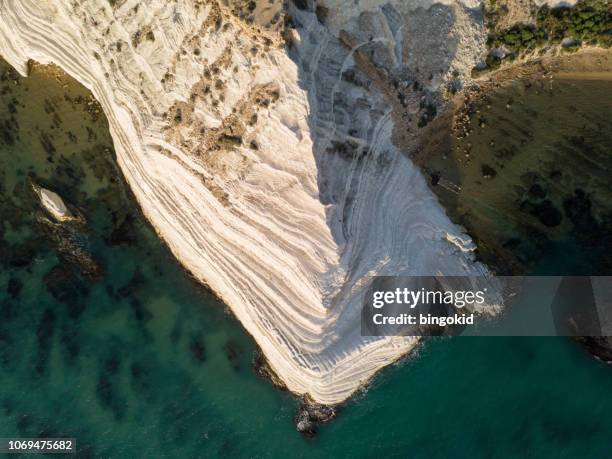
(459, 129)
(111, 339)
(288, 301)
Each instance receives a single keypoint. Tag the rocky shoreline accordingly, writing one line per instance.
(464, 155)
(289, 240)
(464, 115)
(199, 137)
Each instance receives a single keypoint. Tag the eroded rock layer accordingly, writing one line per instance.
(263, 143)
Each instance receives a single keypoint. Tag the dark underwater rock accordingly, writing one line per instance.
(69, 340)
(310, 415)
(137, 281)
(67, 288)
(106, 389)
(233, 352)
(14, 287)
(544, 211)
(141, 313)
(71, 244)
(197, 349)
(44, 333)
(598, 346)
(124, 232)
(537, 192)
(263, 369)
(72, 250)
(19, 256)
(578, 209)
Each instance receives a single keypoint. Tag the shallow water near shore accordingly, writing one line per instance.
(144, 362)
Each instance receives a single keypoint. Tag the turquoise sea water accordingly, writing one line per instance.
(146, 363)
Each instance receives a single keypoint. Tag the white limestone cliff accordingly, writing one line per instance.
(271, 172)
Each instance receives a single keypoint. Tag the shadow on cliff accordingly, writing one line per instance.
(385, 62)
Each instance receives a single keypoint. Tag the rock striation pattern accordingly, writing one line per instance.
(267, 144)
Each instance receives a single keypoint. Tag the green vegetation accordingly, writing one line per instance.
(229, 141)
(589, 22)
(519, 38)
(301, 4)
(493, 62)
(428, 113)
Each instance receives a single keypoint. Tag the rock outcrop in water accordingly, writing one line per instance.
(53, 204)
(273, 171)
(310, 415)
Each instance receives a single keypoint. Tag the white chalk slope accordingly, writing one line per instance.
(286, 224)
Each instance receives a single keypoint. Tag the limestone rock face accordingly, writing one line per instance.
(277, 173)
(53, 203)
